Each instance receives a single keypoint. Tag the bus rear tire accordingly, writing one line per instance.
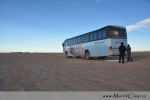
(87, 55)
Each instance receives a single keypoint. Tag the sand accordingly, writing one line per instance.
(54, 72)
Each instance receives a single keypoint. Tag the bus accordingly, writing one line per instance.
(102, 42)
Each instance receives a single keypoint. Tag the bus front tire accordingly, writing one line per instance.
(66, 55)
(87, 55)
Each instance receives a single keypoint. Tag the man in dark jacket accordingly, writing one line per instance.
(129, 58)
(122, 50)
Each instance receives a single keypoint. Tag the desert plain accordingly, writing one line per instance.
(54, 72)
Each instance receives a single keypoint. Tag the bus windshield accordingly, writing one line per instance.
(115, 32)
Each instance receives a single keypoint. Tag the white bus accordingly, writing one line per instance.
(98, 43)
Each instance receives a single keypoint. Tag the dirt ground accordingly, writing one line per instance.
(54, 72)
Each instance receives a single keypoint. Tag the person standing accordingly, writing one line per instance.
(129, 58)
(122, 50)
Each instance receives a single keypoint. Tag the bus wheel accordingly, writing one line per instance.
(87, 55)
(66, 55)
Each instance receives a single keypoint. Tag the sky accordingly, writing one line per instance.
(43, 25)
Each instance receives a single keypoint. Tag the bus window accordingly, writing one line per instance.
(79, 39)
(104, 35)
(84, 38)
(99, 35)
(117, 34)
(87, 37)
(71, 41)
(68, 42)
(75, 40)
(123, 34)
(95, 35)
(91, 36)
(114, 33)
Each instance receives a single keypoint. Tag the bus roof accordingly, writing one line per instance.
(117, 26)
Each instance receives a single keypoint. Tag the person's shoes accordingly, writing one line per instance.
(122, 61)
(119, 62)
(131, 60)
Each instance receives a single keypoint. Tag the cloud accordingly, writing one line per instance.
(144, 24)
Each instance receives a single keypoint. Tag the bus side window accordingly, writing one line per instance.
(104, 35)
(99, 35)
(84, 38)
(73, 40)
(91, 36)
(79, 39)
(95, 35)
(68, 42)
(87, 38)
